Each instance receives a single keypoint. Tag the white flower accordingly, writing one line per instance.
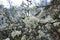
(59, 30)
(14, 33)
(48, 26)
(41, 34)
(56, 24)
(23, 37)
(59, 16)
(48, 19)
(1, 16)
(7, 39)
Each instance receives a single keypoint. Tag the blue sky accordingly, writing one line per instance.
(17, 2)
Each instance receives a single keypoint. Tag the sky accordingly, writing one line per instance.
(17, 2)
(14, 3)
